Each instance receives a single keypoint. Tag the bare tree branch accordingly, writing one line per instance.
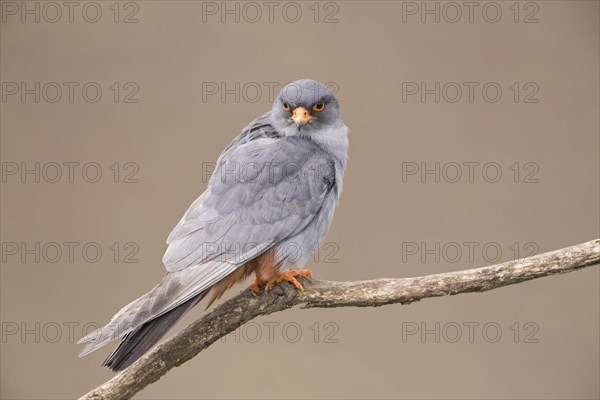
(237, 311)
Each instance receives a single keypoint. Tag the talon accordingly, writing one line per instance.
(289, 276)
(258, 282)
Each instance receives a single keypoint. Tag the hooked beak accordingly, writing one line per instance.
(301, 116)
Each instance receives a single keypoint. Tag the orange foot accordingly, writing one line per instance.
(289, 276)
(258, 282)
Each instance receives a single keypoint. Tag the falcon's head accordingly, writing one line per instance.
(303, 107)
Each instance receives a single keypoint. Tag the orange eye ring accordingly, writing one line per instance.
(318, 106)
(286, 106)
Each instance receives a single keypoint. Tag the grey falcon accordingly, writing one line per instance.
(267, 206)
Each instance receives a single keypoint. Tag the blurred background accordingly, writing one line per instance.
(474, 140)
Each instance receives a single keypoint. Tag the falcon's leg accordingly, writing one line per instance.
(258, 282)
(268, 271)
(289, 276)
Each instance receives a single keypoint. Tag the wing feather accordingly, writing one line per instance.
(252, 210)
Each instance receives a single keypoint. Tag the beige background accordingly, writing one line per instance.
(368, 54)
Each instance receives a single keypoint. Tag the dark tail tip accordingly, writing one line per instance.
(140, 340)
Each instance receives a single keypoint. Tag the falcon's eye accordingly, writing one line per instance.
(286, 106)
(318, 106)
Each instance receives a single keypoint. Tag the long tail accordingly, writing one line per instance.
(141, 339)
(144, 321)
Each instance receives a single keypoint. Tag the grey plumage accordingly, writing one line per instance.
(274, 187)
(140, 340)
